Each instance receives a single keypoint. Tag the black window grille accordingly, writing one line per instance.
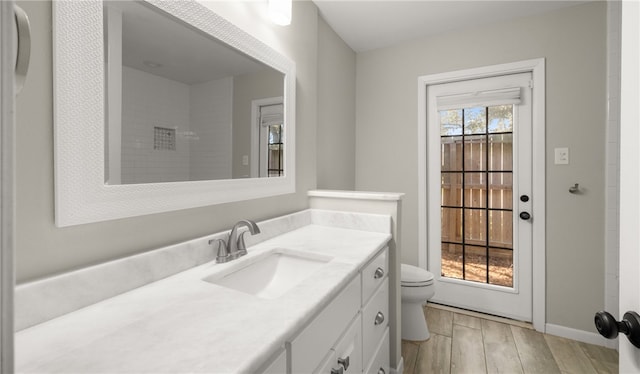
(476, 200)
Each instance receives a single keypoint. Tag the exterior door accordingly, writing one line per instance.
(479, 194)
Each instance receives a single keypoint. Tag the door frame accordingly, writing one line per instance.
(7, 33)
(537, 69)
(254, 166)
(629, 294)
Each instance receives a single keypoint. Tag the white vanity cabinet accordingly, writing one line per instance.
(319, 338)
(351, 334)
(375, 314)
(346, 356)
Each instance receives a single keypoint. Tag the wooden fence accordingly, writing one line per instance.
(486, 185)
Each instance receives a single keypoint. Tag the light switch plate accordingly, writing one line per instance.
(562, 156)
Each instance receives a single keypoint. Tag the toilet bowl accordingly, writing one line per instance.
(416, 288)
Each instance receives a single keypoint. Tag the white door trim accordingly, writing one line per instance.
(629, 298)
(7, 63)
(537, 68)
(255, 131)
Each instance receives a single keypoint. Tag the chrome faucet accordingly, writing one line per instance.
(234, 246)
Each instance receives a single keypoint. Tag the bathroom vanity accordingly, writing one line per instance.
(329, 313)
(351, 333)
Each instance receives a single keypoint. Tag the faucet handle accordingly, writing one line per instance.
(222, 251)
(242, 246)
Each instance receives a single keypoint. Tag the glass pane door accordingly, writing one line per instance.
(478, 165)
(477, 191)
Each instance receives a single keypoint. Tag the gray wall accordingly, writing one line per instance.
(573, 41)
(336, 121)
(42, 249)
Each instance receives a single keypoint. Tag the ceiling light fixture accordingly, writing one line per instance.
(280, 12)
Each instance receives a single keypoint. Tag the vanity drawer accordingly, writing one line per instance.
(347, 353)
(375, 319)
(311, 346)
(380, 362)
(374, 274)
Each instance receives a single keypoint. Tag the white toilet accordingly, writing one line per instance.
(416, 288)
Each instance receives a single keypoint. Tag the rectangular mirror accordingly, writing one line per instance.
(163, 105)
(183, 106)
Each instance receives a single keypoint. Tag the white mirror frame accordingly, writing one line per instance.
(81, 195)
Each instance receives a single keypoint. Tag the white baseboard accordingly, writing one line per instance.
(400, 367)
(581, 336)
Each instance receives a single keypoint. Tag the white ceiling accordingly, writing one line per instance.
(366, 24)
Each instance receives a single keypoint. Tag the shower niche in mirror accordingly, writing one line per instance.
(164, 105)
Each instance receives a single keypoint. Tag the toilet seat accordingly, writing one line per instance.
(413, 276)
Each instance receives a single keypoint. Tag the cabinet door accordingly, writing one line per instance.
(346, 356)
(349, 348)
(380, 362)
(310, 346)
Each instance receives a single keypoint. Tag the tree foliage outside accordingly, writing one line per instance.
(500, 120)
(451, 122)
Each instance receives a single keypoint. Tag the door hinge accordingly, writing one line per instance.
(531, 84)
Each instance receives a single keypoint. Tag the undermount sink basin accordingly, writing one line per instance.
(272, 274)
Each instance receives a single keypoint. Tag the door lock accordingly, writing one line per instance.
(525, 216)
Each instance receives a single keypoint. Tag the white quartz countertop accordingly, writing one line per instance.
(184, 324)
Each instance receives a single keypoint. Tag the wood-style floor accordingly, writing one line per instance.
(461, 343)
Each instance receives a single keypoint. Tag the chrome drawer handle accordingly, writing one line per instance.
(381, 371)
(378, 274)
(379, 318)
(339, 370)
(344, 362)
